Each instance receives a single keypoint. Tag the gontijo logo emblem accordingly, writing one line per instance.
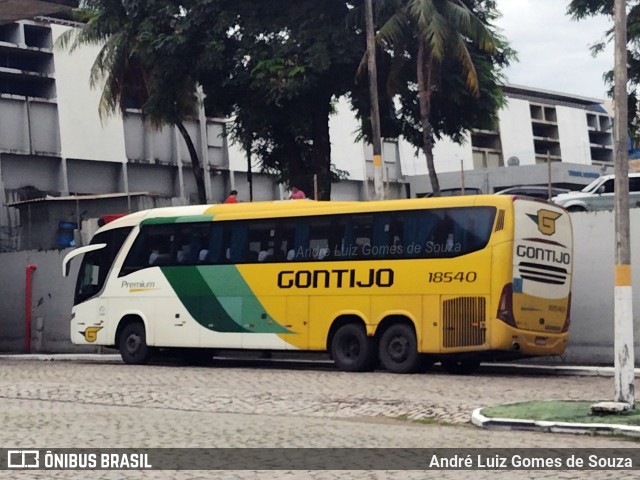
(91, 333)
(546, 221)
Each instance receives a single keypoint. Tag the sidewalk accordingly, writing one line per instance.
(479, 417)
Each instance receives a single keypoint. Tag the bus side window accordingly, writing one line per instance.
(212, 253)
(418, 229)
(381, 235)
(151, 247)
(301, 240)
(319, 238)
(238, 243)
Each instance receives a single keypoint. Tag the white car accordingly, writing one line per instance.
(599, 195)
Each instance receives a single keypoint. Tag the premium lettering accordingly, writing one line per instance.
(348, 278)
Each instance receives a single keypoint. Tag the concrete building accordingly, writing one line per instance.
(54, 144)
(572, 133)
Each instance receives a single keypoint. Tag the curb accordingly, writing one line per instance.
(479, 420)
(585, 371)
(65, 357)
(570, 370)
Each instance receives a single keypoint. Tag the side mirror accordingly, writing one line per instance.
(66, 261)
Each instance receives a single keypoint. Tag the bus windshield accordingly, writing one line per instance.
(96, 263)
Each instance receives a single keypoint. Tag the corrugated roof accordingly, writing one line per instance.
(80, 198)
(11, 10)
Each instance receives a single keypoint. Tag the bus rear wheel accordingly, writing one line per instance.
(352, 350)
(133, 344)
(399, 350)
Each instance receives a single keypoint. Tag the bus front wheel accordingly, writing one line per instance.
(352, 350)
(399, 350)
(133, 344)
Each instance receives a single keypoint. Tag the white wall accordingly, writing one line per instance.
(238, 159)
(591, 331)
(447, 155)
(346, 153)
(516, 134)
(82, 134)
(574, 135)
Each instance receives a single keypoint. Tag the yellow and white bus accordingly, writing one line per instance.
(402, 283)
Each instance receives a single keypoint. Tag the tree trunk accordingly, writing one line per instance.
(424, 99)
(198, 171)
(321, 153)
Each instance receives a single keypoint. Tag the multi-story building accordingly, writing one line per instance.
(55, 150)
(536, 128)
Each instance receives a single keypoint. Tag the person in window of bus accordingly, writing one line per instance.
(233, 197)
(297, 194)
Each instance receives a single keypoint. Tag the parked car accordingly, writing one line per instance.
(599, 195)
(534, 191)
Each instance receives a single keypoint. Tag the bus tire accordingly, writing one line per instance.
(461, 367)
(352, 350)
(133, 344)
(399, 350)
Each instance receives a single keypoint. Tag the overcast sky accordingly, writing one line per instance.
(553, 49)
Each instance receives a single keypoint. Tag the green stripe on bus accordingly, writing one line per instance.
(228, 283)
(201, 303)
(185, 219)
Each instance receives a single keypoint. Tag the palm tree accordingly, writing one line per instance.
(131, 70)
(427, 32)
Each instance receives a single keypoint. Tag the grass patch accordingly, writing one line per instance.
(560, 411)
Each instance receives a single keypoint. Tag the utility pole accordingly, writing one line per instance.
(373, 100)
(624, 360)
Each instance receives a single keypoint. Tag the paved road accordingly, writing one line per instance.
(87, 404)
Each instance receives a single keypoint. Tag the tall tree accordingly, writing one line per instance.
(450, 47)
(141, 63)
(294, 60)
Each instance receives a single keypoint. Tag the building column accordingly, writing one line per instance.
(63, 178)
(4, 216)
(124, 183)
(175, 142)
(204, 144)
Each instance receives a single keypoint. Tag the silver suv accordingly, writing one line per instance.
(599, 195)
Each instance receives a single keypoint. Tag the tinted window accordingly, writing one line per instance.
(634, 184)
(434, 233)
(609, 186)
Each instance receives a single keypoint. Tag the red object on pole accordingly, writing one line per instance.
(27, 337)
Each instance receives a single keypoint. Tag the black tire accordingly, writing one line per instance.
(133, 344)
(461, 367)
(352, 350)
(575, 208)
(399, 350)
